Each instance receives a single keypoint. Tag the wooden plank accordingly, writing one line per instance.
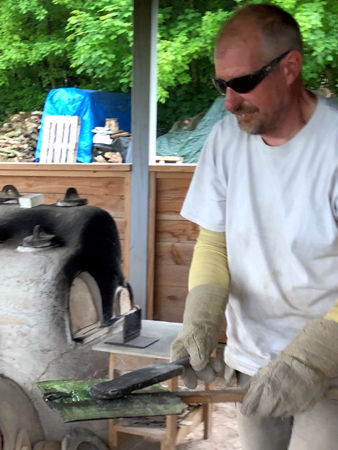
(54, 146)
(51, 134)
(215, 396)
(164, 313)
(169, 216)
(172, 187)
(172, 275)
(121, 226)
(171, 421)
(114, 205)
(46, 137)
(153, 432)
(175, 240)
(127, 212)
(72, 143)
(195, 418)
(151, 246)
(64, 170)
(143, 138)
(174, 253)
(172, 168)
(169, 206)
(176, 231)
(170, 303)
(124, 362)
(51, 183)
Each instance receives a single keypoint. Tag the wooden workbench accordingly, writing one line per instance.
(122, 357)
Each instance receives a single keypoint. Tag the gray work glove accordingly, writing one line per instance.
(203, 315)
(299, 376)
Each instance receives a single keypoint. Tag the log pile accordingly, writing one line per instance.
(107, 157)
(18, 137)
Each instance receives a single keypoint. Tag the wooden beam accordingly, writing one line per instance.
(143, 140)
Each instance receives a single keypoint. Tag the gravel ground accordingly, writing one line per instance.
(224, 432)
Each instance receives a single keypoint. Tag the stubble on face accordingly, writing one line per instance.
(253, 121)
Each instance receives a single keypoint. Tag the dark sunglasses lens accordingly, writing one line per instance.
(241, 85)
(245, 84)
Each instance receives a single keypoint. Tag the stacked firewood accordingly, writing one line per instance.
(18, 137)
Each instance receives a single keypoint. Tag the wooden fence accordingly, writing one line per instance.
(171, 242)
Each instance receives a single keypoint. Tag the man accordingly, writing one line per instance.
(265, 195)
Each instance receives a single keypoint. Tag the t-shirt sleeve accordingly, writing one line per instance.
(206, 198)
(334, 196)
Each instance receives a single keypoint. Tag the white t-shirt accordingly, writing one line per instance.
(279, 209)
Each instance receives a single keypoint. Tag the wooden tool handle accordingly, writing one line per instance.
(332, 394)
(227, 395)
(214, 396)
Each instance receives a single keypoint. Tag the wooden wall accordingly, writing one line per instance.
(171, 242)
(104, 185)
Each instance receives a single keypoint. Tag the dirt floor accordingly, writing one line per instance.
(224, 434)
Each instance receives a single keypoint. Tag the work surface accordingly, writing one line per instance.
(166, 332)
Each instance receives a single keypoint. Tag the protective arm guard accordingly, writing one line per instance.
(204, 307)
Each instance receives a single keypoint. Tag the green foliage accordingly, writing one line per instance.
(101, 34)
(33, 52)
(180, 46)
(46, 44)
(185, 57)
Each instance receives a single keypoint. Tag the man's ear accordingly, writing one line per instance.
(292, 66)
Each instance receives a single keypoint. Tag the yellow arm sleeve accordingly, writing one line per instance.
(333, 313)
(209, 264)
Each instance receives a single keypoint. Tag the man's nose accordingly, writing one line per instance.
(232, 99)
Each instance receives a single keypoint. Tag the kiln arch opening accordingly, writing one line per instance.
(85, 306)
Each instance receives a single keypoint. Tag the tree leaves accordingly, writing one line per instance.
(88, 44)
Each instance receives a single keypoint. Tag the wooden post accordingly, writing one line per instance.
(112, 433)
(143, 139)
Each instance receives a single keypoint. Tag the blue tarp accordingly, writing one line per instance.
(94, 107)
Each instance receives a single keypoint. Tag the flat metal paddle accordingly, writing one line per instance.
(138, 379)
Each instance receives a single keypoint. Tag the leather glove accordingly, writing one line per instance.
(299, 376)
(203, 314)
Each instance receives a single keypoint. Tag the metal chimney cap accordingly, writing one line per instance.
(72, 198)
(9, 194)
(40, 239)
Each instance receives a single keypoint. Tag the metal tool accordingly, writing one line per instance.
(138, 379)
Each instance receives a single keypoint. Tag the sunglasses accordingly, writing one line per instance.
(246, 83)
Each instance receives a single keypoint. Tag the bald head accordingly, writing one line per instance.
(274, 29)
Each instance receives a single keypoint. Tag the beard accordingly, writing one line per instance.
(251, 120)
